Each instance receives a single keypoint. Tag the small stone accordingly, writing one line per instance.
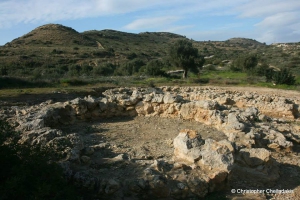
(85, 159)
(88, 150)
(180, 186)
(112, 186)
(148, 171)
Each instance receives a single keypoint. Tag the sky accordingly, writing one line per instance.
(269, 21)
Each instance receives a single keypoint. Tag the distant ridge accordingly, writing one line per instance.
(245, 41)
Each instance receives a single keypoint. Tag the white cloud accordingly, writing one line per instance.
(148, 23)
(258, 8)
(175, 29)
(279, 20)
(13, 12)
(279, 27)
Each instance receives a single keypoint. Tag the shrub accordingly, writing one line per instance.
(74, 70)
(25, 171)
(86, 69)
(131, 56)
(211, 68)
(153, 68)
(72, 81)
(234, 68)
(284, 76)
(246, 63)
(261, 69)
(4, 71)
(201, 80)
(129, 68)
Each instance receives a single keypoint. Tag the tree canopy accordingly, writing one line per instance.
(183, 55)
(246, 63)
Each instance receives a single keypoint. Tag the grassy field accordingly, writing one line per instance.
(90, 85)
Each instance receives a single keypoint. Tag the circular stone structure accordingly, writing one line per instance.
(121, 144)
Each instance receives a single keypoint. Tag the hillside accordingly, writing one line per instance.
(57, 51)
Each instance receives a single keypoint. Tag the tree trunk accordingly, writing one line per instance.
(184, 75)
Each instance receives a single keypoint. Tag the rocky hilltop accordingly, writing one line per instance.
(248, 140)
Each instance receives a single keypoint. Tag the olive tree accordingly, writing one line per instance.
(183, 55)
(246, 63)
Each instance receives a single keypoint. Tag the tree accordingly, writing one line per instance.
(105, 69)
(250, 62)
(4, 71)
(129, 68)
(154, 68)
(183, 55)
(74, 70)
(284, 76)
(246, 63)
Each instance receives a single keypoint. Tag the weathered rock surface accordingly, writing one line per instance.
(187, 146)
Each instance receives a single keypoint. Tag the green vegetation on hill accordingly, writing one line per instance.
(52, 53)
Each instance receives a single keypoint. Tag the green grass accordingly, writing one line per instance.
(224, 75)
(225, 78)
(86, 84)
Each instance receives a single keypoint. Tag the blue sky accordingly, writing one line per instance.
(266, 21)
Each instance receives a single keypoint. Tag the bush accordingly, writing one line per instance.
(246, 63)
(201, 80)
(153, 68)
(131, 56)
(233, 68)
(25, 171)
(260, 70)
(10, 82)
(104, 69)
(129, 68)
(211, 68)
(74, 70)
(284, 77)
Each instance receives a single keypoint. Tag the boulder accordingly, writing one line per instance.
(157, 98)
(85, 179)
(255, 156)
(169, 98)
(255, 168)
(233, 123)
(277, 141)
(187, 146)
(217, 156)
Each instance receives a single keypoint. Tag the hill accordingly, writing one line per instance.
(52, 34)
(56, 51)
(244, 41)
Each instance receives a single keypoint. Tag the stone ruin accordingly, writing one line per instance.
(255, 125)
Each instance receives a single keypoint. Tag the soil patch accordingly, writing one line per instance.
(140, 137)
